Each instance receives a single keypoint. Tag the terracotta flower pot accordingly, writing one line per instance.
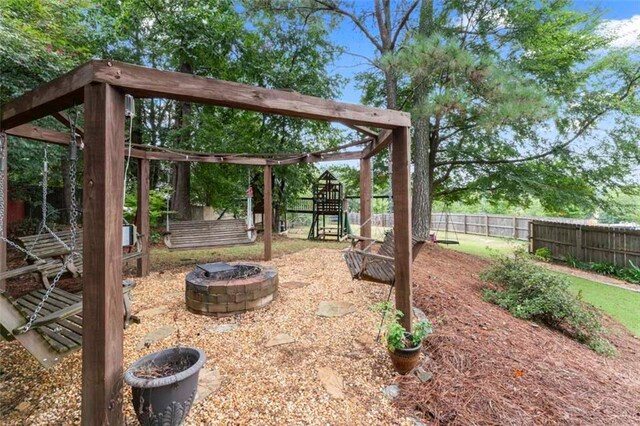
(405, 360)
(164, 385)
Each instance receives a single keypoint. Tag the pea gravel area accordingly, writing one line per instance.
(259, 385)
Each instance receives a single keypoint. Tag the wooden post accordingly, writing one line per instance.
(4, 176)
(267, 218)
(530, 236)
(579, 250)
(401, 185)
(486, 224)
(102, 277)
(143, 216)
(515, 227)
(366, 189)
(464, 219)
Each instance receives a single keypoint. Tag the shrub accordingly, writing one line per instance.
(533, 293)
(543, 254)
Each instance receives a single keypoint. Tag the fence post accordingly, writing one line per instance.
(486, 224)
(465, 223)
(579, 250)
(530, 236)
(515, 227)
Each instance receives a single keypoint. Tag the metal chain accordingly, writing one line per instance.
(73, 219)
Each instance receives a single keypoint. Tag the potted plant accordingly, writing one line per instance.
(164, 384)
(404, 347)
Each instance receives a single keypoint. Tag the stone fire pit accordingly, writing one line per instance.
(223, 289)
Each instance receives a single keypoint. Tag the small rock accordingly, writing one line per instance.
(153, 311)
(391, 391)
(223, 328)
(209, 381)
(365, 339)
(155, 336)
(419, 314)
(292, 285)
(23, 406)
(334, 309)
(332, 382)
(423, 375)
(534, 325)
(416, 422)
(279, 339)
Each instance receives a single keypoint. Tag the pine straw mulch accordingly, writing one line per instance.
(492, 369)
(260, 386)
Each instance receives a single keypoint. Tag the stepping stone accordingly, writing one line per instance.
(423, 375)
(334, 309)
(391, 391)
(279, 339)
(292, 285)
(153, 311)
(366, 339)
(155, 336)
(223, 328)
(173, 295)
(209, 381)
(332, 382)
(419, 314)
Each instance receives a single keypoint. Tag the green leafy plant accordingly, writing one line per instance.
(632, 273)
(157, 206)
(396, 335)
(606, 268)
(543, 254)
(533, 293)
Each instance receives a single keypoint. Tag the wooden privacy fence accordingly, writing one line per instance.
(490, 225)
(586, 243)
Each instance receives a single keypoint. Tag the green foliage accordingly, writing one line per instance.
(543, 254)
(630, 274)
(396, 335)
(605, 268)
(157, 206)
(532, 293)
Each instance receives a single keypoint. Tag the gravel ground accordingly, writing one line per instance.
(260, 386)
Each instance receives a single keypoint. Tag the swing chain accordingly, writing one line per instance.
(73, 220)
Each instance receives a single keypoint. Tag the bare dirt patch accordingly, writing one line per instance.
(491, 368)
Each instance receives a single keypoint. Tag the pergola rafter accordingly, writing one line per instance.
(101, 86)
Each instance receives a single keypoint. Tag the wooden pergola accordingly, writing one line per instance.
(101, 87)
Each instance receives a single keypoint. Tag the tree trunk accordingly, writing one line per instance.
(181, 199)
(424, 144)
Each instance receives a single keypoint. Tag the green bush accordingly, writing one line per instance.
(157, 207)
(543, 254)
(533, 293)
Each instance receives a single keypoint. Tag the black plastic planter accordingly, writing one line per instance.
(165, 400)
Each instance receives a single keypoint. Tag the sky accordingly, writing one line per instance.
(621, 17)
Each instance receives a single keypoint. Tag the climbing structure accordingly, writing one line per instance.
(330, 218)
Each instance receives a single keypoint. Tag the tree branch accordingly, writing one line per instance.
(403, 23)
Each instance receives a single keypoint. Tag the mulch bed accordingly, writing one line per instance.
(490, 368)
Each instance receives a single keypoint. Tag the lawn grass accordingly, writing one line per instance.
(162, 258)
(621, 304)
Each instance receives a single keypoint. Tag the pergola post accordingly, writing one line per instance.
(366, 188)
(103, 310)
(401, 186)
(142, 222)
(267, 217)
(3, 222)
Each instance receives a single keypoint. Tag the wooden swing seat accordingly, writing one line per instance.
(54, 254)
(196, 234)
(376, 267)
(57, 331)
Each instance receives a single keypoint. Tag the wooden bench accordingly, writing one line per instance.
(54, 254)
(57, 331)
(195, 234)
(376, 267)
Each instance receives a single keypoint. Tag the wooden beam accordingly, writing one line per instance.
(267, 217)
(142, 222)
(366, 189)
(363, 130)
(59, 94)
(62, 118)
(401, 185)
(144, 82)
(3, 222)
(41, 134)
(383, 141)
(102, 277)
(317, 158)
